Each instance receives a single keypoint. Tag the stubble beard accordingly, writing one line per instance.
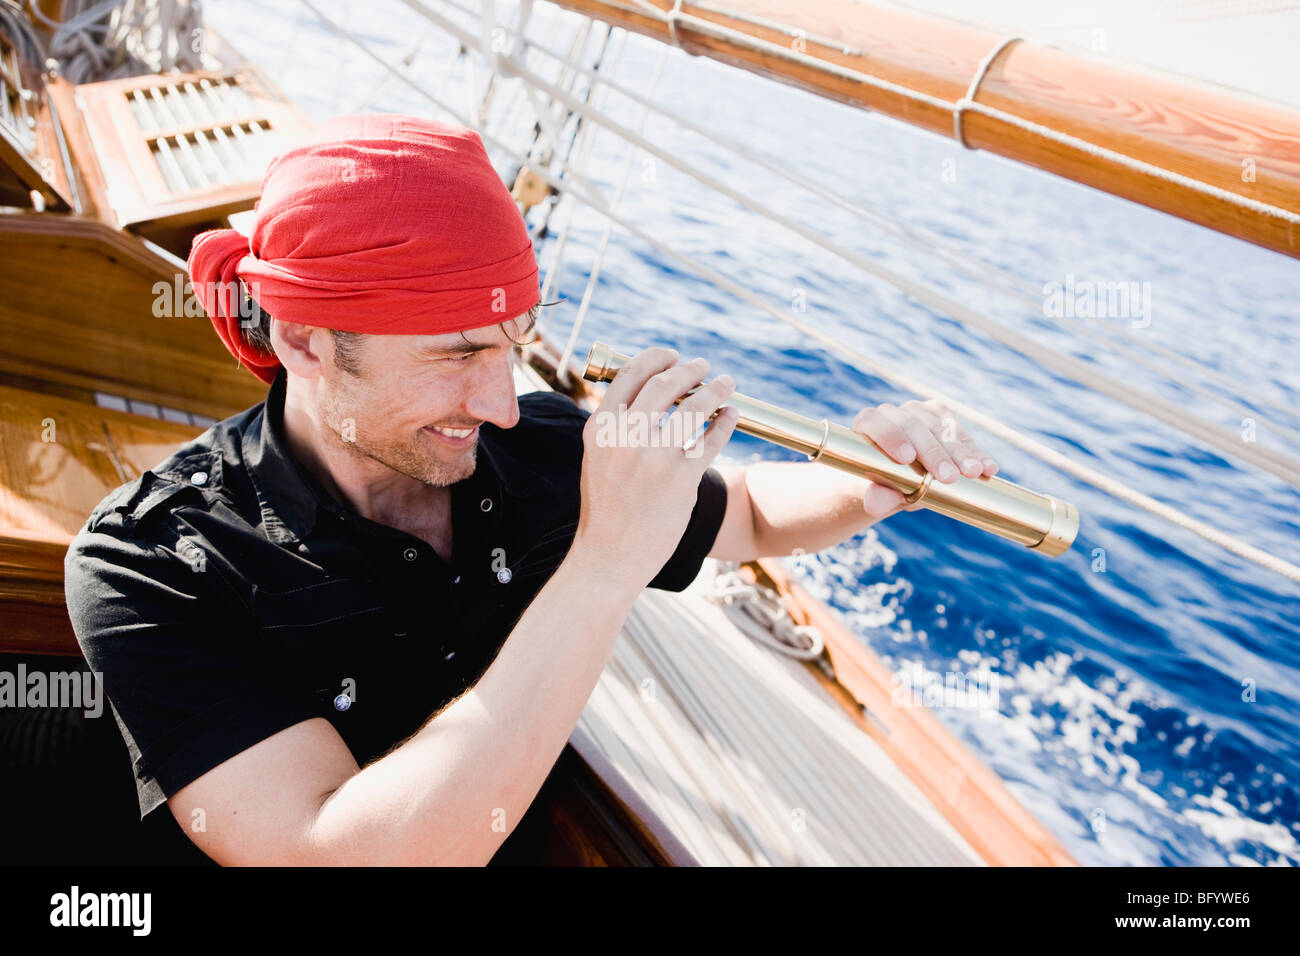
(409, 459)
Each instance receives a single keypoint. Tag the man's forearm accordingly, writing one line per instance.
(804, 505)
(452, 792)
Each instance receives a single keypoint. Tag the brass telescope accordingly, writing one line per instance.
(1039, 522)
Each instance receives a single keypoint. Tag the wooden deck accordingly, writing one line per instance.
(744, 754)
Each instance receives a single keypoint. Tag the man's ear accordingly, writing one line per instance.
(300, 348)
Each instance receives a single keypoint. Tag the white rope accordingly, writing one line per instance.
(744, 39)
(760, 613)
(552, 127)
(670, 16)
(562, 372)
(475, 122)
(523, 17)
(540, 151)
(588, 133)
(673, 16)
(966, 101)
(19, 31)
(1029, 445)
(549, 135)
(555, 269)
(113, 39)
(582, 148)
(447, 74)
(488, 17)
(796, 33)
(508, 120)
(488, 20)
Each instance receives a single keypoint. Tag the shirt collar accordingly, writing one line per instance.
(289, 495)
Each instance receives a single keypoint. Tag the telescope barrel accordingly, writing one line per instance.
(1039, 522)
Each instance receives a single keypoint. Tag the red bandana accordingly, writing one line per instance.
(377, 223)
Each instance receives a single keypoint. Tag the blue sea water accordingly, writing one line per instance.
(1148, 698)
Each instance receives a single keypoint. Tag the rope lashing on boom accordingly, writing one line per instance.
(673, 16)
(967, 101)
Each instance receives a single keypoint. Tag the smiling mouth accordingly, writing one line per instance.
(453, 434)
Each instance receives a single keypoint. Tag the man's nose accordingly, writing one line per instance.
(493, 396)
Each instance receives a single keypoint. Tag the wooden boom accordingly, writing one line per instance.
(1245, 148)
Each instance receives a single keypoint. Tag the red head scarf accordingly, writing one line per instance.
(376, 223)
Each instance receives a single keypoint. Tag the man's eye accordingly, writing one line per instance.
(463, 358)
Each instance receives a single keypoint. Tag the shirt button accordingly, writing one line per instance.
(449, 655)
(199, 478)
(486, 504)
(504, 575)
(457, 581)
(410, 554)
(342, 702)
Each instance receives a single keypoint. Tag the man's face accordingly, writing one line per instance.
(410, 388)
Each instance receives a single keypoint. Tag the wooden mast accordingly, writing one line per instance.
(1244, 147)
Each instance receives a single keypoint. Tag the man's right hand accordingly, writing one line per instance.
(638, 484)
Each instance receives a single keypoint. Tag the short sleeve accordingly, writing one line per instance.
(176, 658)
(697, 540)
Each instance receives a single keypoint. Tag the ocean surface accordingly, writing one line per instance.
(1146, 703)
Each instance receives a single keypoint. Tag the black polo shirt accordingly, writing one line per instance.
(225, 595)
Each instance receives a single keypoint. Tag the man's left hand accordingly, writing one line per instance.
(927, 431)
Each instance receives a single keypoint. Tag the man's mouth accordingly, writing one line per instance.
(454, 436)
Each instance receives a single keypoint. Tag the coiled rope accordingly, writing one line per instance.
(759, 611)
(119, 38)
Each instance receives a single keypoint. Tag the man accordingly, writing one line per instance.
(356, 623)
